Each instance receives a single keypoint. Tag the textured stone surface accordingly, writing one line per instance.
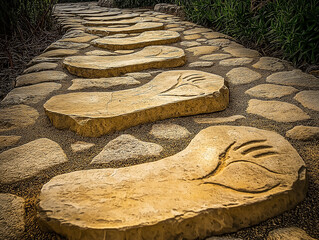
(309, 99)
(214, 57)
(144, 39)
(39, 77)
(11, 216)
(276, 110)
(235, 62)
(212, 35)
(242, 75)
(109, 66)
(192, 37)
(59, 53)
(84, 83)
(136, 28)
(18, 116)
(291, 233)
(294, 78)
(269, 63)
(139, 75)
(201, 50)
(227, 178)
(304, 133)
(41, 67)
(126, 147)
(169, 131)
(220, 42)
(270, 91)
(8, 141)
(99, 53)
(223, 238)
(113, 18)
(124, 51)
(169, 94)
(68, 45)
(201, 64)
(219, 120)
(30, 94)
(31, 158)
(190, 44)
(81, 39)
(81, 146)
(242, 52)
(119, 22)
(196, 30)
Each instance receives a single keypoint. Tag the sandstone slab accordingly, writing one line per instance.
(220, 42)
(242, 75)
(212, 35)
(109, 66)
(270, 91)
(269, 63)
(136, 28)
(226, 179)
(196, 31)
(304, 133)
(113, 18)
(18, 116)
(291, 233)
(139, 75)
(235, 62)
(294, 78)
(30, 94)
(126, 147)
(104, 83)
(80, 39)
(190, 43)
(99, 53)
(11, 216)
(144, 39)
(214, 57)
(119, 22)
(201, 50)
(124, 51)
(201, 64)
(219, 120)
(169, 131)
(309, 99)
(99, 14)
(59, 53)
(192, 37)
(169, 94)
(39, 77)
(31, 158)
(81, 146)
(8, 141)
(276, 110)
(41, 67)
(242, 52)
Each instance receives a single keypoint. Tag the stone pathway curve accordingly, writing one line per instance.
(140, 125)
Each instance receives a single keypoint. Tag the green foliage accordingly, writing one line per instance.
(287, 26)
(29, 15)
(139, 3)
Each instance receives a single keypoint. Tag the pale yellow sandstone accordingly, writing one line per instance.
(109, 23)
(38, 77)
(8, 141)
(113, 18)
(84, 83)
(201, 50)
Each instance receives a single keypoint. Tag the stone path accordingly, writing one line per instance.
(139, 125)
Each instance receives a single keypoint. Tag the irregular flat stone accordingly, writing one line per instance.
(169, 131)
(223, 238)
(242, 52)
(242, 75)
(214, 57)
(270, 91)
(124, 51)
(18, 116)
(136, 28)
(201, 64)
(99, 53)
(84, 83)
(41, 67)
(174, 25)
(294, 78)
(202, 40)
(276, 111)
(309, 99)
(269, 63)
(37, 60)
(112, 18)
(303, 133)
(11, 216)
(220, 42)
(189, 43)
(30, 94)
(8, 141)
(235, 62)
(219, 120)
(144, 39)
(81, 146)
(31, 158)
(100, 14)
(169, 94)
(81, 39)
(212, 35)
(201, 50)
(292, 233)
(139, 75)
(38, 77)
(112, 66)
(196, 30)
(59, 53)
(122, 22)
(209, 188)
(126, 147)
(177, 29)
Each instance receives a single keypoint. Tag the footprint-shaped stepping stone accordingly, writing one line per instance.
(144, 39)
(226, 179)
(112, 66)
(136, 28)
(169, 94)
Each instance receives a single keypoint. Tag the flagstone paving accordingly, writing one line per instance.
(179, 155)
